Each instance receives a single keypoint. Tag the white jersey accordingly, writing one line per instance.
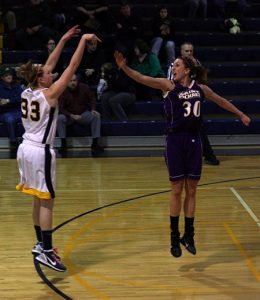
(38, 117)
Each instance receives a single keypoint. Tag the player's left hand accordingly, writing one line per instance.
(245, 120)
(74, 31)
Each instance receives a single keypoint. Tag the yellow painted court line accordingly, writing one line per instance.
(76, 275)
(150, 285)
(72, 242)
(242, 252)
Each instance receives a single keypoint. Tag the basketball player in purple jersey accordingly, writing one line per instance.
(183, 153)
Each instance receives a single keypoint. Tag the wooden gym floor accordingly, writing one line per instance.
(112, 230)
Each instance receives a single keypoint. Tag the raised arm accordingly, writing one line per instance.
(54, 56)
(157, 83)
(225, 104)
(56, 89)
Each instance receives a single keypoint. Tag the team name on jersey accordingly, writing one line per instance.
(189, 94)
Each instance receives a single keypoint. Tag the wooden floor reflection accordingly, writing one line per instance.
(119, 249)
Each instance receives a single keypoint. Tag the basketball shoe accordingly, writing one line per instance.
(50, 259)
(188, 242)
(37, 248)
(175, 245)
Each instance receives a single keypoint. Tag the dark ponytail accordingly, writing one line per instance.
(197, 71)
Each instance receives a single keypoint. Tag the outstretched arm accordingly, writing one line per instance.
(157, 83)
(225, 104)
(54, 56)
(53, 93)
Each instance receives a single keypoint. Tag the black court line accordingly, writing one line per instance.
(50, 285)
(36, 263)
(143, 196)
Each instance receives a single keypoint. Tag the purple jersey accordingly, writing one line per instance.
(183, 108)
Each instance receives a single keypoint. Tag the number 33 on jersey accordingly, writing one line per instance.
(38, 117)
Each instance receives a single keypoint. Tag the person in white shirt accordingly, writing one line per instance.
(36, 156)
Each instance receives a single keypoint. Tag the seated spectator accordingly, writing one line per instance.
(10, 104)
(163, 35)
(90, 67)
(78, 104)
(129, 27)
(118, 95)
(86, 18)
(187, 50)
(8, 18)
(34, 31)
(146, 63)
(196, 8)
(58, 18)
(49, 47)
(101, 21)
(225, 9)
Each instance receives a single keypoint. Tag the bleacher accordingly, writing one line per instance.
(233, 61)
(1, 41)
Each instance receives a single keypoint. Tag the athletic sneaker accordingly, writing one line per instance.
(188, 242)
(50, 259)
(175, 245)
(37, 248)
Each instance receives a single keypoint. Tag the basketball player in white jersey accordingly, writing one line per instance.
(36, 157)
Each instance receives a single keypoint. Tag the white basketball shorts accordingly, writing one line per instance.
(37, 168)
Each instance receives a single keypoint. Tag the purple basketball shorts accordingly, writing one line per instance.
(183, 156)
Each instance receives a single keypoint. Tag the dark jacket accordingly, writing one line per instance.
(159, 26)
(13, 93)
(77, 101)
(118, 81)
(92, 60)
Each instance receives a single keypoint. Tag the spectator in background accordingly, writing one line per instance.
(49, 47)
(58, 18)
(118, 95)
(163, 35)
(129, 27)
(187, 50)
(100, 20)
(8, 18)
(147, 63)
(102, 84)
(225, 9)
(10, 104)
(90, 68)
(34, 26)
(78, 104)
(86, 17)
(196, 8)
